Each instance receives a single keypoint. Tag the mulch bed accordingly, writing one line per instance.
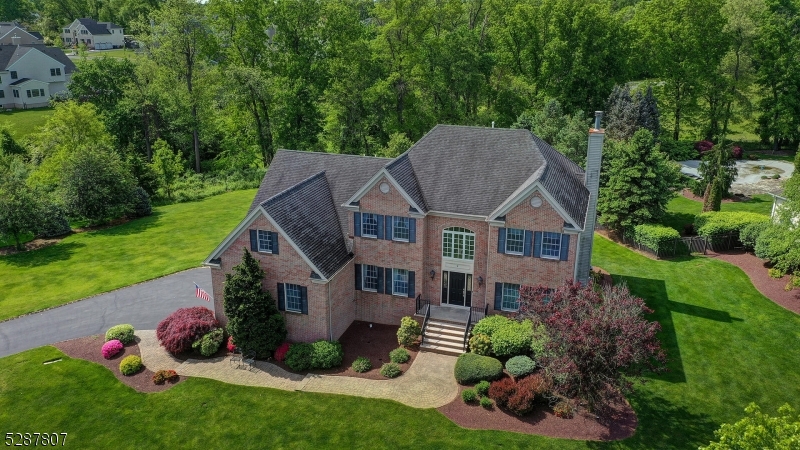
(373, 342)
(88, 348)
(35, 244)
(619, 424)
(756, 269)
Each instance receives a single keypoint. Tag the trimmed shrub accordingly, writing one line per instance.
(523, 400)
(776, 273)
(519, 366)
(469, 395)
(778, 245)
(391, 370)
(111, 348)
(230, 345)
(280, 352)
(483, 388)
(489, 324)
(130, 365)
(361, 364)
(564, 410)
(326, 354)
(514, 338)
(140, 203)
(298, 358)
(210, 342)
(500, 391)
(52, 222)
(657, 238)
(716, 223)
(164, 375)
(399, 355)
(749, 234)
(480, 344)
(122, 333)
(486, 402)
(539, 340)
(472, 368)
(184, 327)
(409, 331)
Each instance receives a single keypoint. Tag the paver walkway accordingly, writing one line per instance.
(429, 383)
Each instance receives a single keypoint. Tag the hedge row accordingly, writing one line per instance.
(714, 224)
(655, 237)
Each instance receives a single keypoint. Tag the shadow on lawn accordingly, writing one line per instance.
(135, 226)
(663, 425)
(43, 256)
(677, 220)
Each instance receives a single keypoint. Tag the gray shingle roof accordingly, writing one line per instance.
(93, 27)
(563, 179)
(9, 54)
(20, 81)
(308, 214)
(401, 170)
(345, 174)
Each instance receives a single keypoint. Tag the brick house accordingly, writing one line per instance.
(457, 222)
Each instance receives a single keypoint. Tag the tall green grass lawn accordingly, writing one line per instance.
(24, 121)
(174, 238)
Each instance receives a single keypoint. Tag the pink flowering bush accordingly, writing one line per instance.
(703, 146)
(737, 152)
(231, 346)
(111, 348)
(182, 328)
(280, 353)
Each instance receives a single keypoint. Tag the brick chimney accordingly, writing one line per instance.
(594, 158)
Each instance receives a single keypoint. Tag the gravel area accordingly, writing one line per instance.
(755, 268)
(620, 424)
(373, 342)
(88, 348)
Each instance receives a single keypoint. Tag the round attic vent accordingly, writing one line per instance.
(385, 188)
(536, 202)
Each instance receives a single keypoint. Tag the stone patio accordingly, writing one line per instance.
(429, 383)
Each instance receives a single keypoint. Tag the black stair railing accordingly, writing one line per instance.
(425, 324)
(466, 330)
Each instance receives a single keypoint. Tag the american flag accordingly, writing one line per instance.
(199, 293)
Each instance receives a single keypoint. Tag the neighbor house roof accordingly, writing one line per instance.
(94, 27)
(20, 81)
(9, 54)
(307, 214)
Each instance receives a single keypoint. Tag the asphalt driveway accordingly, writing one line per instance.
(142, 305)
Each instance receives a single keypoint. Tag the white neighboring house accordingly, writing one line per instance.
(96, 35)
(14, 33)
(31, 74)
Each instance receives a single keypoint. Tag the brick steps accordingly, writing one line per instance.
(441, 336)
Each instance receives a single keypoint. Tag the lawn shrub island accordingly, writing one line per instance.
(184, 327)
(361, 364)
(472, 368)
(210, 342)
(280, 352)
(298, 358)
(391, 370)
(409, 331)
(163, 376)
(399, 355)
(130, 365)
(122, 333)
(111, 348)
(469, 395)
(519, 366)
(480, 344)
(326, 354)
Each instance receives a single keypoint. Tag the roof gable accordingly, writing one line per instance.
(93, 27)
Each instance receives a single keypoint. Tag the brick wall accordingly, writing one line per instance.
(285, 267)
(343, 300)
(385, 308)
(504, 268)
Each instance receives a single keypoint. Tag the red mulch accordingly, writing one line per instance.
(88, 348)
(755, 268)
(686, 192)
(373, 342)
(619, 424)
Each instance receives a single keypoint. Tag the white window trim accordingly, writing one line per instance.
(363, 222)
(364, 278)
(258, 238)
(286, 299)
(463, 249)
(541, 251)
(394, 228)
(511, 252)
(396, 293)
(502, 308)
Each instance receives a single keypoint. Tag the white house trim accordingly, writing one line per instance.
(373, 181)
(452, 215)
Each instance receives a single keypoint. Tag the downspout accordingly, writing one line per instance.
(486, 281)
(330, 313)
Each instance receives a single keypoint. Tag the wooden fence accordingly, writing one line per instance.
(684, 246)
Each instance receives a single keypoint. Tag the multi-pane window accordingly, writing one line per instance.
(84, 32)
(551, 245)
(2, 93)
(370, 277)
(399, 282)
(458, 243)
(369, 225)
(510, 297)
(400, 229)
(264, 241)
(55, 72)
(66, 30)
(13, 74)
(41, 92)
(515, 241)
(16, 93)
(294, 298)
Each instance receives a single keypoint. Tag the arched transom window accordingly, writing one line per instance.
(458, 243)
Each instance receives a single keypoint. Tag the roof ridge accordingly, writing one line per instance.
(295, 187)
(312, 152)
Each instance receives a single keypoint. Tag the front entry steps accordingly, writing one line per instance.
(445, 337)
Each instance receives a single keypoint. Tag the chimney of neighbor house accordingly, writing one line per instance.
(594, 158)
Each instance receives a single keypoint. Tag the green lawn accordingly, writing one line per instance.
(728, 346)
(25, 121)
(174, 238)
(681, 210)
(114, 53)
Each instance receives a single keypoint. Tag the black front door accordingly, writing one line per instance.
(456, 292)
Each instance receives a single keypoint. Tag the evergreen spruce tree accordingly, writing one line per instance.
(253, 319)
(647, 115)
(718, 169)
(621, 114)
